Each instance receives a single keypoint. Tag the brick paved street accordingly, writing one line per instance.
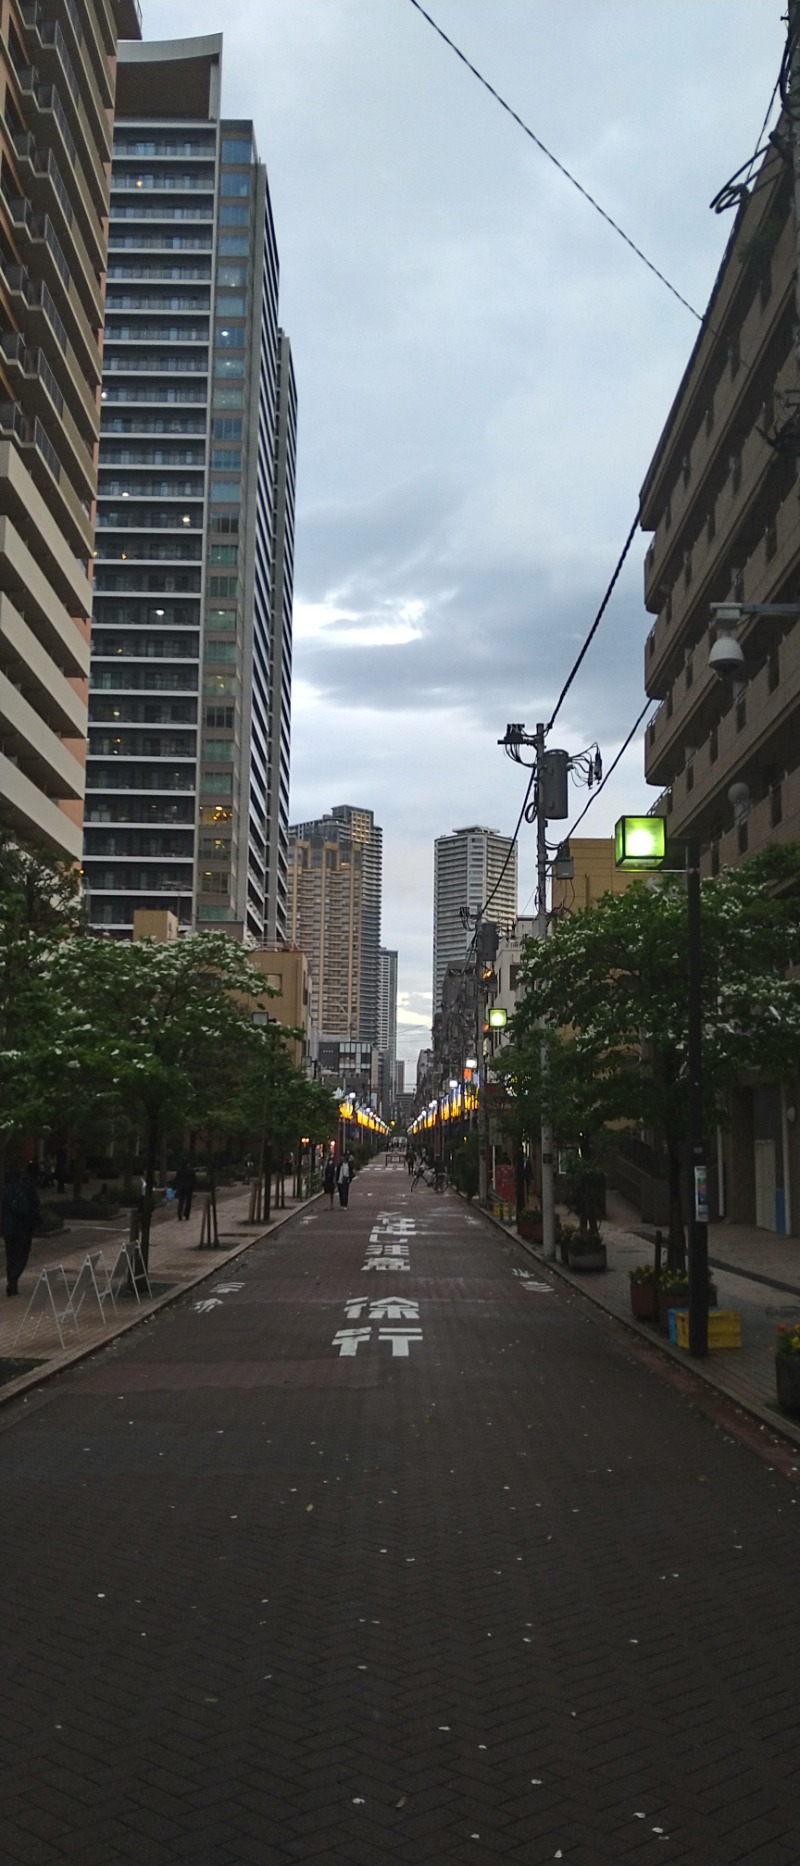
(394, 1553)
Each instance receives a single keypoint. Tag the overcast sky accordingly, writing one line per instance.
(483, 369)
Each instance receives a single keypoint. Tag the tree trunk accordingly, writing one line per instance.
(519, 1174)
(267, 1180)
(676, 1240)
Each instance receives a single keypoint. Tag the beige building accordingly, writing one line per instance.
(721, 501)
(325, 921)
(285, 969)
(57, 74)
(594, 873)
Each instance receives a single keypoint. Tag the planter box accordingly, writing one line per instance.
(678, 1299)
(530, 1228)
(643, 1301)
(787, 1377)
(587, 1254)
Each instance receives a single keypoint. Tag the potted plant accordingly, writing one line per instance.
(673, 1293)
(586, 1251)
(787, 1367)
(643, 1292)
(529, 1224)
(566, 1236)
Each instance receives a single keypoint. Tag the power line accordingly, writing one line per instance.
(563, 170)
(596, 623)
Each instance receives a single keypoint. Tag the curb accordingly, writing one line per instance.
(61, 1362)
(777, 1423)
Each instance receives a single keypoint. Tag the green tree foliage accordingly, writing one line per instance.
(613, 983)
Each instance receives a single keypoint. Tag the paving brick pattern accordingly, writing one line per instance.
(508, 1598)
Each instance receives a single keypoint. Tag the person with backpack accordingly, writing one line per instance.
(18, 1215)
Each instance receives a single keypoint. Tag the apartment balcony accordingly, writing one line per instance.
(88, 121)
(755, 742)
(680, 494)
(61, 499)
(743, 512)
(47, 118)
(31, 669)
(46, 189)
(43, 256)
(35, 813)
(35, 748)
(33, 305)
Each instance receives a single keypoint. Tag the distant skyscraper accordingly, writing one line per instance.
(191, 652)
(325, 912)
(358, 827)
(468, 865)
(387, 1025)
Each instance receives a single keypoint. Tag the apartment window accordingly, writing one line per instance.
(231, 276)
(711, 525)
(219, 716)
(232, 244)
(230, 304)
(736, 471)
(222, 586)
(229, 458)
(225, 524)
(229, 336)
(235, 184)
(220, 782)
(223, 554)
(220, 651)
(236, 149)
(689, 672)
(226, 491)
(687, 568)
(668, 607)
(710, 418)
(686, 468)
(667, 515)
(771, 540)
(221, 618)
(232, 214)
(228, 366)
(734, 356)
(226, 428)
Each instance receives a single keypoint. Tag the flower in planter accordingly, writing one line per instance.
(788, 1341)
(643, 1273)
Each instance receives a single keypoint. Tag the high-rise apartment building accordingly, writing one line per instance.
(191, 652)
(57, 72)
(325, 920)
(387, 1027)
(469, 865)
(348, 825)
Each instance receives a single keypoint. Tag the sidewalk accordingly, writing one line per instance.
(177, 1264)
(755, 1273)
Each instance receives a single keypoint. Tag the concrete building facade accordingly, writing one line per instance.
(387, 1029)
(468, 865)
(721, 501)
(57, 75)
(325, 906)
(347, 827)
(192, 607)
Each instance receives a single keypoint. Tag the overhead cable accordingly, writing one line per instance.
(611, 769)
(596, 623)
(563, 170)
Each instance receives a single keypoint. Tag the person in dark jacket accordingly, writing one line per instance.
(18, 1215)
(343, 1178)
(185, 1182)
(329, 1178)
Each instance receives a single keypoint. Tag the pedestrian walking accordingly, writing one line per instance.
(329, 1179)
(184, 1182)
(19, 1214)
(343, 1177)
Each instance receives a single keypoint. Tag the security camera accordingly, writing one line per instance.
(726, 657)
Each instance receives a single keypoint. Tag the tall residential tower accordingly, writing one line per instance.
(349, 827)
(468, 866)
(57, 73)
(191, 642)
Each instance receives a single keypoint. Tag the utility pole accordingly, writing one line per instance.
(698, 1191)
(548, 1179)
(480, 1052)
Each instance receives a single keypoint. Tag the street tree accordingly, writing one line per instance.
(613, 980)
